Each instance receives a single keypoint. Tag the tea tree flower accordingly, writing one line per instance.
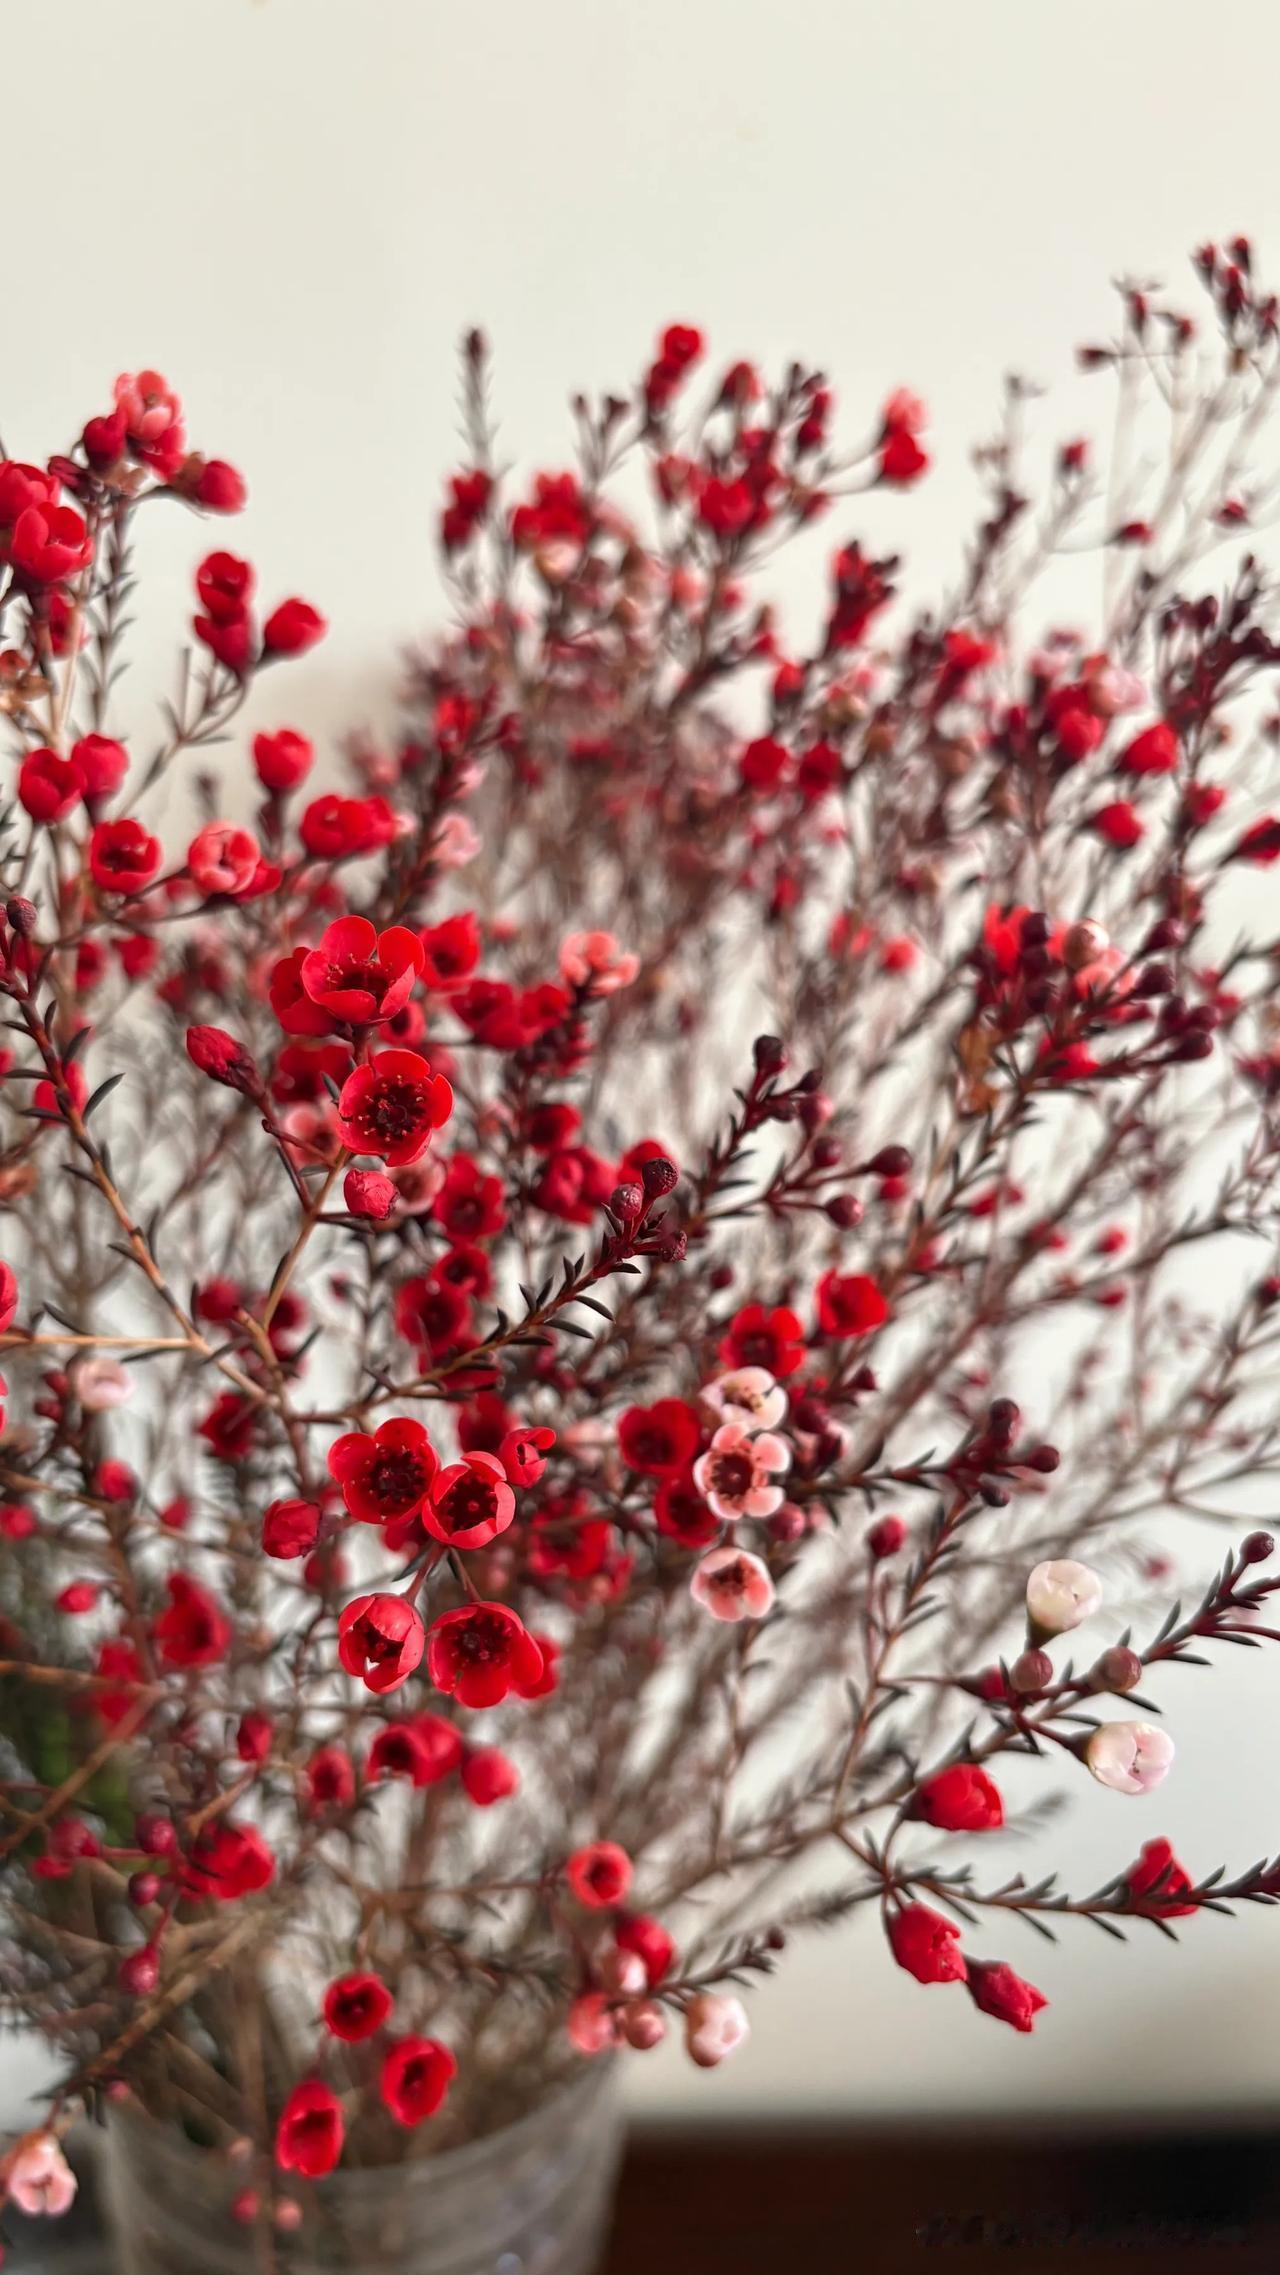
(1130, 1757)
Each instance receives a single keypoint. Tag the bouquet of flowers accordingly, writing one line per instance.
(531, 1419)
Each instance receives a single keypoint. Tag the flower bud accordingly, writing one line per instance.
(1130, 1757)
(368, 1193)
(1118, 1670)
(1031, 1673)
(140, 1973)
(1257, 1548)
(885, 1537)
(643, 2024)
(770, 1054)
(22, 916)
(659, 1177)
(1060, 1595)
(220, 1056)
(1084, 943)
(714, 2028)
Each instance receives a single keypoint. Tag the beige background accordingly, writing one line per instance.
(293, 207)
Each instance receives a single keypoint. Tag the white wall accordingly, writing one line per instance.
(293, 207)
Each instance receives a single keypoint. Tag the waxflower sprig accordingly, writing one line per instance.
(526, 1243)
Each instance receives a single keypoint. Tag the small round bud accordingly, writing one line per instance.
(770, 1054)
(1084, 943)
(140, 1972)
(643, 2024)
(1003, 1420)
(659, 1177)
(626, 1202)
(1119, 1669)
(144, 1888)
(1257, 1548)
(885, 1537)
(156, 1836)
(1045, 1460)
(1153, 979)
(844, 1210)
(891, 1161)
(1035, 930)
(670, 1247)
(994, 1495)
(22, 916)
(1031, 1672)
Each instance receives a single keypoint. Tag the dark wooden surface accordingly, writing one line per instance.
(1201, 2201)
(945, 2203)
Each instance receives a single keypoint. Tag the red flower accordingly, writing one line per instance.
(432, 1313)
(488, 1776)
(994, 1987)
(330, 1778)
(1155, 751)
(469, 1204)
(648, 1939)
(290, 1529)
(927, 1945)
(902, 461)
(425, 1749)
(759, 1337)
(49, 787)
(385, 1477)
(558, 511)
(103, 763)
(49, 543)
(1259, 844)
(849, 1304)
(228, 1861)
(282, 760)
(195, 1631)
(764, 763)
(1118, 823)
(523, 1454)
(310, 2133)
(480, 1652)
(416, 2076)
(223, 858)
(151, 415)
(215, 485)
(381, 1639)
(450, 951)
(393, 1106)
(661, 1439)
(599, 1875)
(8, 1296)
(1157, 1881)
(225, 586)
(471, 1502)
(359, 975)
(961, 1799)
(292, 628)
(681, 1513)
(355, 2006)
(122, 856)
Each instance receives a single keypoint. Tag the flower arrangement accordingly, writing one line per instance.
(504, 1469)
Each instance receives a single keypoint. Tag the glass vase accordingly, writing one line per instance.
(530, 2199)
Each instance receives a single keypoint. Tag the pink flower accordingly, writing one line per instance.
(1130, 1757)
(37, 2178)
(732, 1585)
(749, 1397)
(455, 843)
(714, 2028)
(737, 1471)
(594, 960)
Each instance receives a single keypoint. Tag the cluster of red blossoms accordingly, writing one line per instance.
(523, 1265)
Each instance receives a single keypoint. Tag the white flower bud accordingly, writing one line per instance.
(1130, 1757)
(1060, 1595)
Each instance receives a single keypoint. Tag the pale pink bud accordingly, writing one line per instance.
(100, 1384)
(591, 2023)
(732, 1584)
(1060, 1595)
(1130, 1757)
(37, 2178)
(714, 2028)
(455, 843)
